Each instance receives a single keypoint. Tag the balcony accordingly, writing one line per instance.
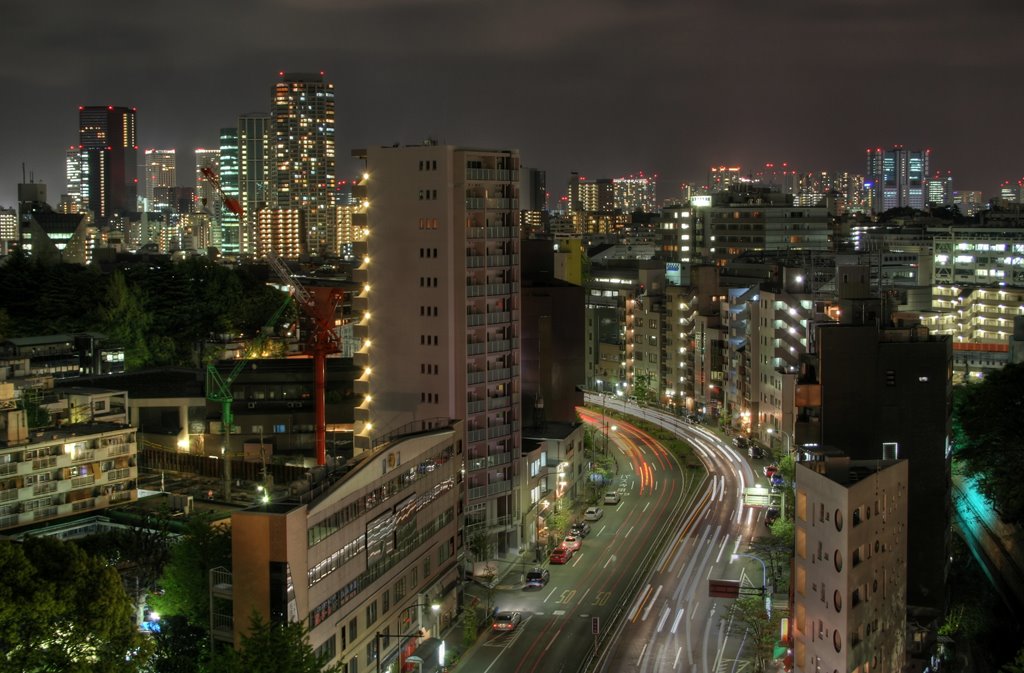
(476, 435)
(499, 375)
(475, 407)
(493, 460)
(494, 488)
(499, 431)
(476, 319)
(492, 175)
(499, 402)
(478, 348)
(473, 378)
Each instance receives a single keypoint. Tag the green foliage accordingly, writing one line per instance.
(1015, 666)
(63, 610)
(470, 626)
(180, 647)
(783, 532)
(139, 552)
(481, 546)
(988, 425)
(271, 648)
(643, 389)
(126, 321)
(749, 613)
(185, 580)
(558, 522)
(36, 416)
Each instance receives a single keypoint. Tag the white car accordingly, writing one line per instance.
(612, 498)
(593, 513)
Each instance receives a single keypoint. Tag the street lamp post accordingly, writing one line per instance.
(765, 589)
(788, 441)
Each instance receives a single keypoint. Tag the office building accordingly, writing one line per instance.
(899, 177)
(850, 565)
(160, 173)
(441, 312)
(302, 142)
(229, 220)
(940, 189)
(73, 175)
(366, 560)
(107, 141)
(978, 255)
(254, 164)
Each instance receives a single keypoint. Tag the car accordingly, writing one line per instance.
(777, 479)
(740, 442)
(505, 620)
(580, 529)
(537, 578)
(560, 555)
(770, 515)
(593, 514)
(612, 498)
(755, 451)
(769, 470)
(572, 542)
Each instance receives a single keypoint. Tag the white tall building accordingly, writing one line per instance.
(850, 566)
(441, 305)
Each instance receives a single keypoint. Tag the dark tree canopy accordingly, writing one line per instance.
(185, 580)
(63, 610)
(271, 648)
(989, 429)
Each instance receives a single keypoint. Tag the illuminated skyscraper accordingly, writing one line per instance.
(636, 192)
(899, 177)
(73, 173)
(160, 172)
(302, 140)
(107, 140)
(940, 189)
(229, 220)
(254, 163)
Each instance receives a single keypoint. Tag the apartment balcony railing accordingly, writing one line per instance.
(490, 461)
(472, 378)
(476, 406)
(476, 435)
(494, 488)
(478, 348)
(499, 402)
(476, 319)
(492, 174)
(499, 375)
(499, 431)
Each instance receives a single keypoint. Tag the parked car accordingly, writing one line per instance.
(740, 442)
(769, 470)
(560, 555)
(506, 620)
(755, 451)
(771, 515)
(777, 480)
(593, 513)
(572, 542)
(580, 528)
(537, 578)
(612, 498)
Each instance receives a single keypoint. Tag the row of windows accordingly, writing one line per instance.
(430, 398)
(428, 223)
(428, 311)
(361, 505)
(430, 165)
(428, 252)
(429, 369)
(336, 560)
(427, 195)
(428, 339)
(428, 281)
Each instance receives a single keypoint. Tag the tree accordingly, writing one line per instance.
(63, 610)
(126, 321)
(180, 647)
(272, 648)
(749, 612)
(642, 389)
(186, 578)
(988, 424)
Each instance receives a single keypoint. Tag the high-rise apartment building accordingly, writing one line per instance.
(441, 306)
(107, 141)
(302, 140)
(73, 174)
(899, 177)
(161, 173)
(229, 157)
(254, 164)
(850, 565)
(636, 192)
(592, 196)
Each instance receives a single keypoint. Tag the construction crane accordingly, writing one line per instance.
(231, 204)
(320, 306)
(218, 389)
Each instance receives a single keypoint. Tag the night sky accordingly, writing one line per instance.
(603, 87)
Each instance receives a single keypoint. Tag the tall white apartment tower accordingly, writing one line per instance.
(441, 306)
(850, 566)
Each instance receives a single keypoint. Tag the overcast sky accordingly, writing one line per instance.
(603, 87)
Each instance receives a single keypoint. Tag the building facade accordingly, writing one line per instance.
(441, 311)
(109, 147)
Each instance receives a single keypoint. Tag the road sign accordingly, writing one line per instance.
(724, 588)
(595, 625)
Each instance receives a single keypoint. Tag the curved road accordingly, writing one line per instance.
(672, 625)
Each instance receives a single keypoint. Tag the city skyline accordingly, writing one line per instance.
(602, 88)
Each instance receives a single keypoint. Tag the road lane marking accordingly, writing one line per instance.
(721, 549)
(675, 622)
(611, 559)
(641, 657)
(679, 653)
(640, 602)
(629, 531)
(653, 600)
(664, 618)
(644, 510)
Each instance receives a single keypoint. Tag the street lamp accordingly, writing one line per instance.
(785, 435)
(765, 589)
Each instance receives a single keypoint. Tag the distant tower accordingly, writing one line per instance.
(207, 200)
(160, 175)
(302, 139)
(73, 173)
(107, 140)
(254, 163)
(229, 221)
(899, 177)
